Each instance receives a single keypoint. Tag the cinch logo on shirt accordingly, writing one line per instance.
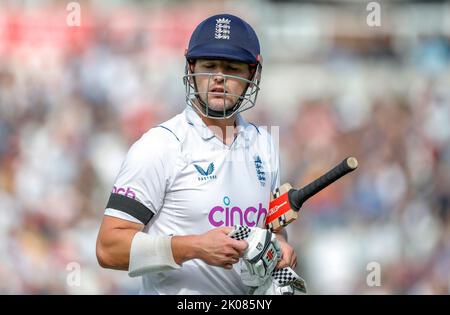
(229, 216)
(206, 175)
(127, 193)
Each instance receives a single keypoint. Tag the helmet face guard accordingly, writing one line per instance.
(199, 99)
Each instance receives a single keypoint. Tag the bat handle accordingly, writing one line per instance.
(298, 197)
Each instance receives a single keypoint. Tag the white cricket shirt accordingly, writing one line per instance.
(184, 175)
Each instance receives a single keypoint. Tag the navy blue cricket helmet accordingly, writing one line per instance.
(223, 37)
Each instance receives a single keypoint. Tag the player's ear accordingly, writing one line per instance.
(191, 65)
(253, 69)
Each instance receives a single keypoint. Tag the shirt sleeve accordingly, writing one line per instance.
(270, 149)
(276, 173)
(139, 189)
(275, 163)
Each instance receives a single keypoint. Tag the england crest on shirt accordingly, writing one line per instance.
(259, 167)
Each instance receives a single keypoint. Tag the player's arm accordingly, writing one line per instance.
(136, 198)
(114, 242)
(118, 243)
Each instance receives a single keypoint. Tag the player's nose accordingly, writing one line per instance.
(218, 77)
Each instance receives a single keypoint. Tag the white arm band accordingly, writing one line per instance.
(150, 254)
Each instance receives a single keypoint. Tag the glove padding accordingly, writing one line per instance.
(260, 257)
(283, 282)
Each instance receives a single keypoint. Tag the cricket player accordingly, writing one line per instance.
(187, 182)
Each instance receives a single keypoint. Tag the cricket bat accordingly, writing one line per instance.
(285, 202)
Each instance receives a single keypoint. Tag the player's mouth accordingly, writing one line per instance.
(218, 90)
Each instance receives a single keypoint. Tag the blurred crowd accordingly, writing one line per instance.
(72, 101)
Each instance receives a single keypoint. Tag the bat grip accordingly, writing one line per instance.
(298, 197)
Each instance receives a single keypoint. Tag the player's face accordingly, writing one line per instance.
(216, 84)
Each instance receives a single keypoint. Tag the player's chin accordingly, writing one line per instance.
(217, 103)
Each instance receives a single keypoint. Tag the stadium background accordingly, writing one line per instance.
(73, 99)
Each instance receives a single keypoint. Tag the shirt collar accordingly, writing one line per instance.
(194, 120)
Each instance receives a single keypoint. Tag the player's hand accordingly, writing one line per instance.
(218, 249)
(288, 255)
